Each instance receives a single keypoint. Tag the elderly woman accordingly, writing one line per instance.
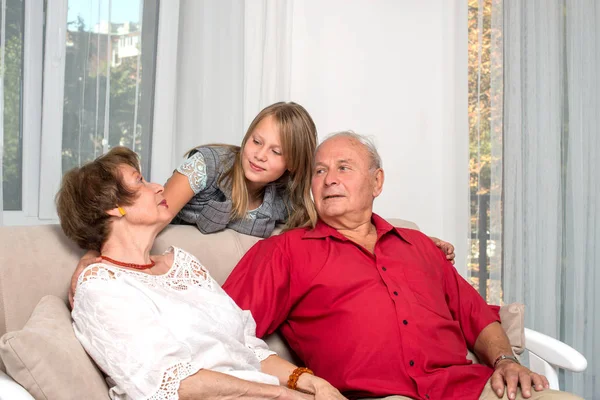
(160, 327)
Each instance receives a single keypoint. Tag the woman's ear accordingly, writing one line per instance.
(116, 212)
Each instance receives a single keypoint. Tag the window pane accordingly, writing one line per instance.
(485, 146)
(13, 20)
(109, 73)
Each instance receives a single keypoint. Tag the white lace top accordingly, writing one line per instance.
(194, 168)
(147, 333)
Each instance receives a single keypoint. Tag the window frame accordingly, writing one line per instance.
(44, 56)
(31, 111)
(52, 103)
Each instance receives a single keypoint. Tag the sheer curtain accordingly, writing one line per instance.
(232, 59)
(267, 55)
(551, 191)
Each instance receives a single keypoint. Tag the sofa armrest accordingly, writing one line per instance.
(547, 354)
(11, 390)
(555, 352)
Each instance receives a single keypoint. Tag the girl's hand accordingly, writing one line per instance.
(446, 247)
(88, 258)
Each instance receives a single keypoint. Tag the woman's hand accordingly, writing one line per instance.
(307, 383)
(212, 385)
(326, 391)
(88, 258)
(289, 394)
(322, 389)
(446, 247)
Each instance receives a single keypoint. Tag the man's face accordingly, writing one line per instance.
(343, 184)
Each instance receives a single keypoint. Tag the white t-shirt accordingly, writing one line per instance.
(147, 332)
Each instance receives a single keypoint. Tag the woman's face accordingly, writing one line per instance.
(150, 206)
(262, 156)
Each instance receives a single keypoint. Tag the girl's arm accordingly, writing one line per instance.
(177, 193)
(189, 179)
(89, 258)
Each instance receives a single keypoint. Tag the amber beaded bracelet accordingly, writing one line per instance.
(293, 380)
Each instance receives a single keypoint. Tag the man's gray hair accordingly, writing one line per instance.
(362, 139)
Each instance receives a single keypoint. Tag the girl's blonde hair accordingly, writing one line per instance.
(299, 142)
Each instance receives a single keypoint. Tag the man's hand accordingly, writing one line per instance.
(88, 258)
(446, 247)
(509, 375)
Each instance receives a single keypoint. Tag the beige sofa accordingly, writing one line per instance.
(40, 351)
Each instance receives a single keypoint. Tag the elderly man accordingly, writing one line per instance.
(376, 310)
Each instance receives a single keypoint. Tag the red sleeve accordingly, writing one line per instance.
(466, 304)
(261, 283)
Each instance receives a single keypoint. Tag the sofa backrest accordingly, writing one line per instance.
(36, 261)
(39, 260)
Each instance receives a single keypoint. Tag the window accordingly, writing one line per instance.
(485, 148)
(13, 16)
(22, 26)
(103, 99)
(96, 93)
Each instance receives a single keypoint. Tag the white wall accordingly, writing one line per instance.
(396, 70)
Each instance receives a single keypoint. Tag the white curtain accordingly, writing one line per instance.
(551, 191)
(233, 59)
(210, 73)
(267, 55)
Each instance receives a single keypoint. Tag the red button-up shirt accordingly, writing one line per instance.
(394, 322)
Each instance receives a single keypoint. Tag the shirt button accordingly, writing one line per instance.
(405, 322)
(411, 363)
(384, 268)
(426, 396)
(395, 293)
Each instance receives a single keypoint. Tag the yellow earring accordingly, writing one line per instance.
(121, 211)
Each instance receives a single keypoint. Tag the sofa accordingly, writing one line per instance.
(40, 357)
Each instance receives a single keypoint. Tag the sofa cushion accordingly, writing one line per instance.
(512, 317)
(513, 322)
(46, 358)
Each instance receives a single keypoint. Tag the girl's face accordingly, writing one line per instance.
(262, 156)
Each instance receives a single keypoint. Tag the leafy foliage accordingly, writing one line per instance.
(13, 67)
(485, 129)
(89, 59)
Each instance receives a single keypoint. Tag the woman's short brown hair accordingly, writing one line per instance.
(88, 192)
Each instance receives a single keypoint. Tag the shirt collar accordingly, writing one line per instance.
(322, 230)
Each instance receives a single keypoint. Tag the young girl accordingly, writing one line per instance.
(253, 187)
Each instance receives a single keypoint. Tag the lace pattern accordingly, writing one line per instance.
(195, 170)
(171, 380)
(96, 271)
(261, 353)
(186, 272)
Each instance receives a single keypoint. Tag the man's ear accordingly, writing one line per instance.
(379, 178)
